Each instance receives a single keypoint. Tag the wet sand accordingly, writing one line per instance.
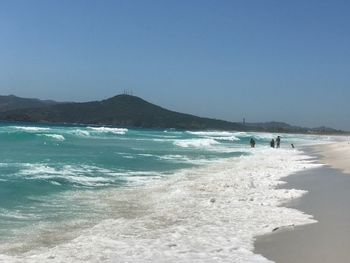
(328, 201)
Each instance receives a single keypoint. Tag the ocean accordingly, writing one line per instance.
(102, 194)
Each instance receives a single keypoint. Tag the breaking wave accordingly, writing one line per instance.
(195, 143)
(57, 137)
(109, 130)
(30, 128)
(206, 214)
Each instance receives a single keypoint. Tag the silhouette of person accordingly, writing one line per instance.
(292, 145)
(272, 143)
(252, 143)
(278, 141)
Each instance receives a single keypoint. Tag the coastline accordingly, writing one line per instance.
(327, 200)
(184, 218)
(181, 218)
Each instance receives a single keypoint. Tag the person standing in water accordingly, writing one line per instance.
(278, 141)
(252, 143)
(272, 143)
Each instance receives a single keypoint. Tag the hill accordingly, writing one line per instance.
(131, 111)
(121, 110)
(11, 102)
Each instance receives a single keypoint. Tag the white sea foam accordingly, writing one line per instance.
(263, 136)
(30, 128)
(128, 157)
(81, 133)
(159, 140)
(55, 182)
(195, 142)
(57, 137)
(177, 158)
(241, 134)
(146, 155)
(81, 180)
(7, 214)
(217, 135)
(82, 174)
(207, 214)
(211, 133)
(227, 138)
(109, 130)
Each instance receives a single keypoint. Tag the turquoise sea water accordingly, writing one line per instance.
(44, 169)
(40, 162)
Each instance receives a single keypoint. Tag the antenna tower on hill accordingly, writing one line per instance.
(127, 92)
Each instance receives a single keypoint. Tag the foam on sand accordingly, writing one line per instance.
(207, 214)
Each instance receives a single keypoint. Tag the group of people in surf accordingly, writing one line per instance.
(273, 143)
(276, 143)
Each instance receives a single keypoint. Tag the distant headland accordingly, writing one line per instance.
(130, 111)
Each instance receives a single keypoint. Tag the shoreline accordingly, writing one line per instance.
(327, 199)
(183, 219)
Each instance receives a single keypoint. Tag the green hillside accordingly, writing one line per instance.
(11, 102)
(121, 110)
(130, 111)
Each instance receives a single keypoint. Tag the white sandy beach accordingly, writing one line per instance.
(327, 200)
(336, 155)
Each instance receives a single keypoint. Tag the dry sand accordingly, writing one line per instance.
(336, 155)
(328, 200)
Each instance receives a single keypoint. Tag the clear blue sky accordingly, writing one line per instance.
(262, 60)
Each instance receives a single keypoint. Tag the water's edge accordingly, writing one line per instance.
(326, 200)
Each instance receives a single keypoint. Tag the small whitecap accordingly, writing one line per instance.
(195, 143)
(30, 128)
(57, 137)
(109, 130)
